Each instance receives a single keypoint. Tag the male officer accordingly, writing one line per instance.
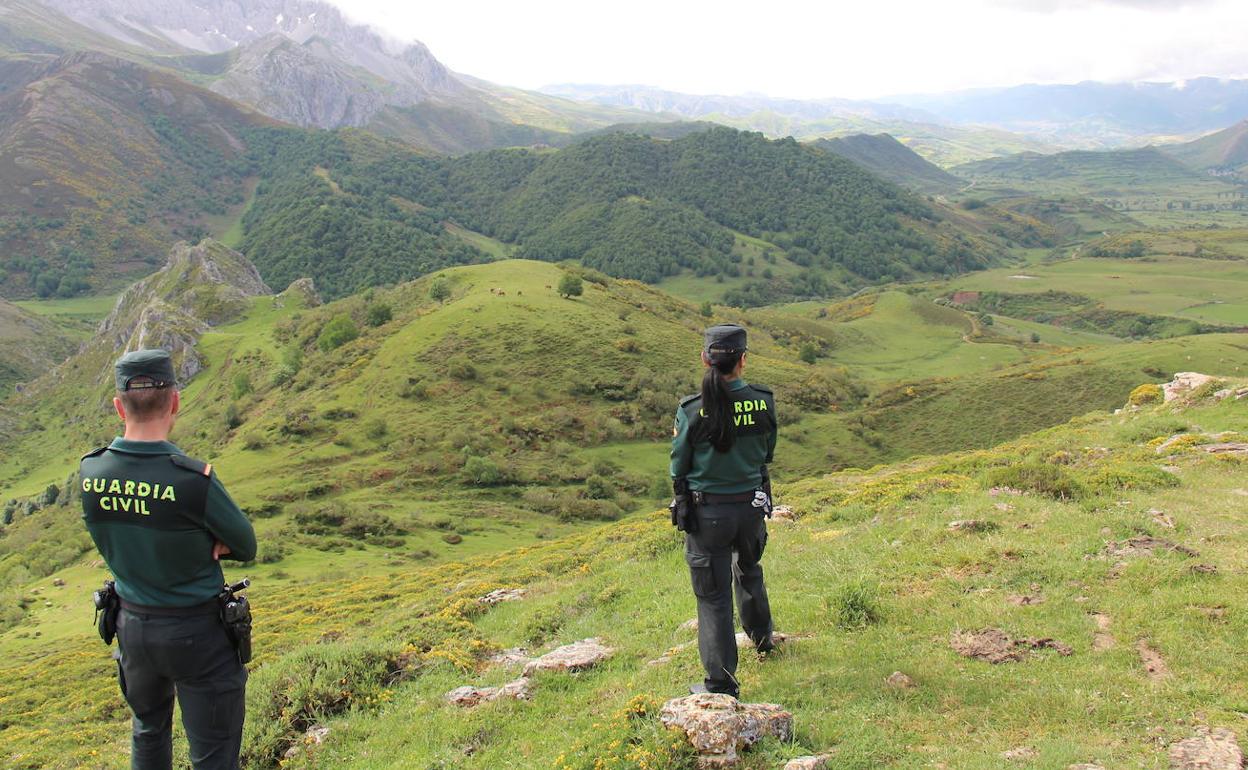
(162, 522)
(721, 444)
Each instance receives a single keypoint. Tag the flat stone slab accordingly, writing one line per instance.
(808, 763)
(470, 697)
(995, 646)
(577, 656)
(1215, 749)
(719, 726)
(1143, 545)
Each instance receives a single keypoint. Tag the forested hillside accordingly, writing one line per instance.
(631, 206)
(105, 163)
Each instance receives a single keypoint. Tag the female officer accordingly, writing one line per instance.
(723, 440)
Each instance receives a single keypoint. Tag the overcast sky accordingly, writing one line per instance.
(859, 49)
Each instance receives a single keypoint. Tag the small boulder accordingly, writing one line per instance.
(1084, 766)
(783, 513)
(1215, 749)
(510, 657)
(500, 595)
(470, 697)
(899, 681)
(58, 583)
(972, 525)
(577, 656)
(689, 625)
(1020, 754)
(718, 726)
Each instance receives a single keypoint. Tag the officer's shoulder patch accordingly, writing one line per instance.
(687, 400)
(95, 452)
(761, 388)
(191, 464)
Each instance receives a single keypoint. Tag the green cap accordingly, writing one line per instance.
(725, 338)
(154, 364)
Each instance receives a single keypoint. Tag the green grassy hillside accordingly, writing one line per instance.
(1130, 180)
(1222, 152)
(31, 344)
(1093, 534)
(892, 160)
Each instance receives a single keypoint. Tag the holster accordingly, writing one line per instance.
(682, 507)
(236, 616)
(107, 605)
(765, 485)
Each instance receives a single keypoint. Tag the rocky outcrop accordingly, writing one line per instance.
(199, 287)
(719, 726)
(1215, 749)
(1184, 383)
(819, 762)
(303, 290)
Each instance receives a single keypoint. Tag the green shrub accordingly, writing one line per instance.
(440, 290)
(378, 314)
(376, 429)
(706, 310)
(1040, 478)
(1112, 478)
(338, 332)
(855, 605)
(482, 471)
(241, 385)
(599, 488)
(809, 353)
(544, 624)
(305, 687)
(460, 368)
(570, 285)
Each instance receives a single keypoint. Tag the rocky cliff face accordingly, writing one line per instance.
(201, 286)
(296, 60)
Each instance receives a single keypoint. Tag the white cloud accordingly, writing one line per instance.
(810, 50)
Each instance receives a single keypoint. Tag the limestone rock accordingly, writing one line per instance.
(510, 657)
(578, 656)
(1184, 382)
(995, 646)
(1215, 749)
(972, 525)
(1143, 545)
(500, 595)
(719, 726)
(808, 763)
(315, 736)
(1226, 448)
(1084, 766)
(777, 638)
(470, 697)
(689, 625)
(900, 681)
(1019, 754)
(783, 513)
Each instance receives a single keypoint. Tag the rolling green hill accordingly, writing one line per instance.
(1138, 178)
(1222, 152)
(892, 160)
(29, 345)
(1072, 535)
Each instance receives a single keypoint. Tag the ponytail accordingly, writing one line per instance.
(716, 401)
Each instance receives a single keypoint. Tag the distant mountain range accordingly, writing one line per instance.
(302, 62)
(1080, 116)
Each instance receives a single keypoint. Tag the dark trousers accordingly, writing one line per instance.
(724, 555)
(192, 657)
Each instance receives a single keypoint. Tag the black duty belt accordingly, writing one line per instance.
(207, 608)
(707, 498)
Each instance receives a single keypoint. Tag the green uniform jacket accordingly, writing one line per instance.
(740, 468)
(154, 514)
